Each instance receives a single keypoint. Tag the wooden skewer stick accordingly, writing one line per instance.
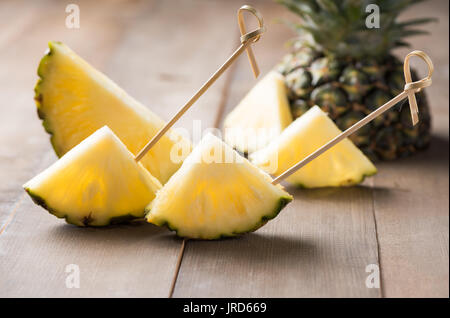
(246, 40)
(409, 92)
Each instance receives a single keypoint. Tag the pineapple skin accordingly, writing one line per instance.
(283, 201)
(38, 200)
(38, 97)
(349, 90)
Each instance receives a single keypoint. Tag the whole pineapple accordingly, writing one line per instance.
(348, 70)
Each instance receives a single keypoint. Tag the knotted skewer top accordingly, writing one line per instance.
(246, 40)
(414, 87)
(250, 37)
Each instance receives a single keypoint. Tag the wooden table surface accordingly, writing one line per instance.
(161, 52)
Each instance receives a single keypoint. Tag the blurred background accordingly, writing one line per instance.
(161, 51)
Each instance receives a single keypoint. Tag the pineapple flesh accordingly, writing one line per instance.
(342, 165)
(216, 193)
(260, 116)
(95, 183)
(74, 100)
(348, 70)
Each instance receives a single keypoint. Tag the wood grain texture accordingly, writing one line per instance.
(13, 25)
(123, 39)
(35, 246)
(319, 246)
(411, 195)
(161, 53)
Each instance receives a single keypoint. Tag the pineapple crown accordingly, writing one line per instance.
(338, 27)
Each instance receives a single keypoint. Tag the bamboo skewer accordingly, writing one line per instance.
(409, 92)
(246, 40)
(410, 89)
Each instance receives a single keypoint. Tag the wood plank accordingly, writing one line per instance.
(32, 264)
(320, 244)
(142, 47)
(411, 195)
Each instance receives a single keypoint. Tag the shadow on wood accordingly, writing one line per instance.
(437, 153)
(337, 195)
(123, 233)
(255, 247)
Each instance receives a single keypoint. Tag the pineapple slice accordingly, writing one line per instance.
(342, 165)
(260, 116)
(216, 193)
(96, 183)
(74, 100)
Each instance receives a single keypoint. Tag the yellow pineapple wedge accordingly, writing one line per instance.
(96, 183)
(74, 100)
(342, 165)
(216, 193)
(260, 116)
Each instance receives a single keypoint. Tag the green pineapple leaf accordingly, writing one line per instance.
(338, 28)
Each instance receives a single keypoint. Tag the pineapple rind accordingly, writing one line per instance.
(363, 66)
(346, 184)
(38, 98)
(78, 222)
(281, 204)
